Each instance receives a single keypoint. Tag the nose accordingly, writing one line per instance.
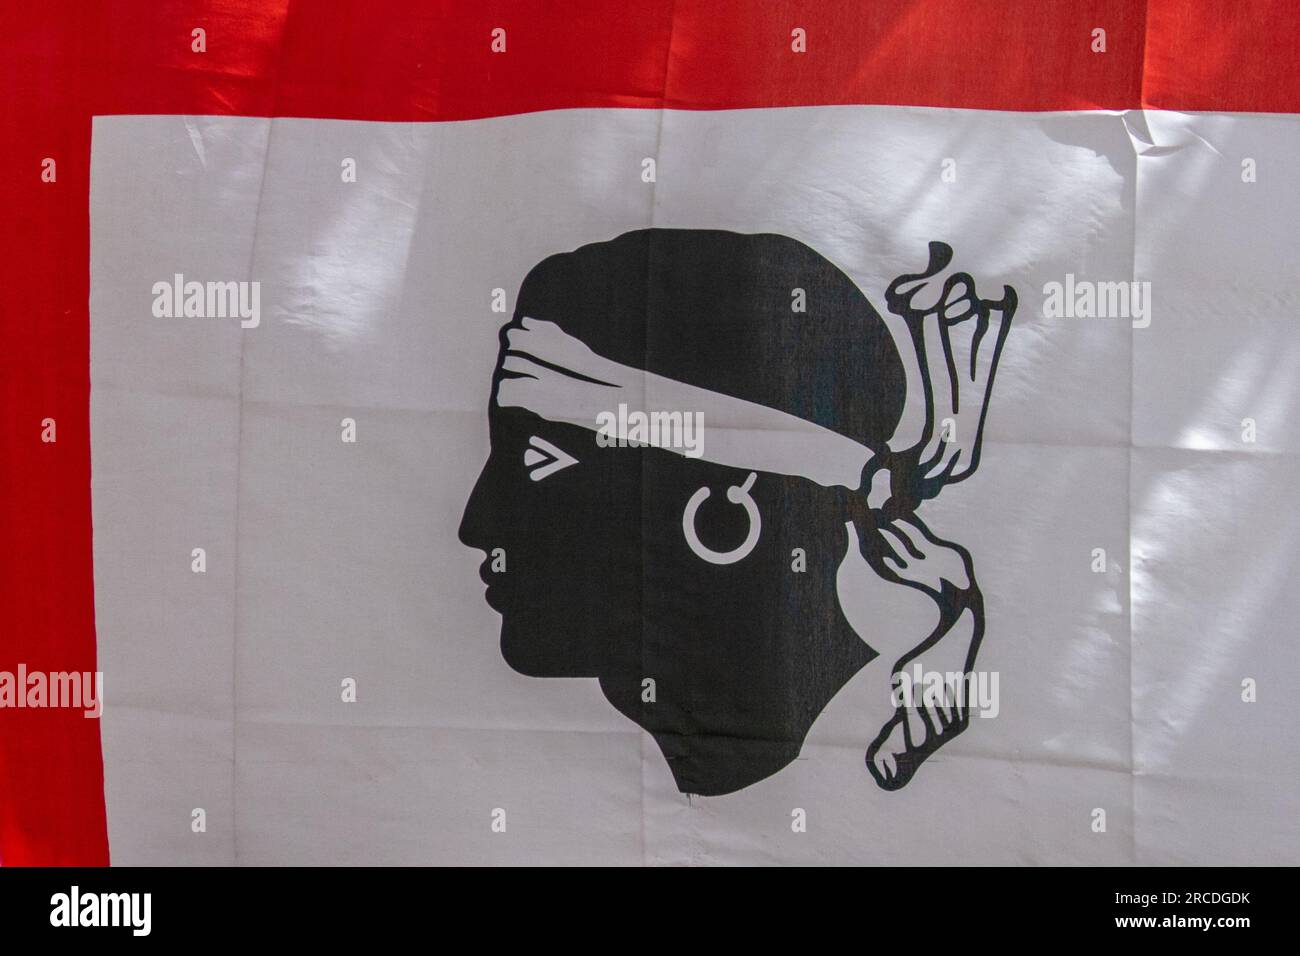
(472, 531)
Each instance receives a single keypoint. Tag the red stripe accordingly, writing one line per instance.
(403, 60)
(1229, 57)
(384, 59)
(51, 790)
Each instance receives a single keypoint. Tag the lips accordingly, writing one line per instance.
(493, 595)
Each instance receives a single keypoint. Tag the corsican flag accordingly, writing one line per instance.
(650, 433)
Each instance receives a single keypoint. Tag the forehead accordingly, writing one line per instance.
(713, 309)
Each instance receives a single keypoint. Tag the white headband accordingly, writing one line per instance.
(563, 380)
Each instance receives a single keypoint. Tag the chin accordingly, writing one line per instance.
(515, 652)
(536, 648)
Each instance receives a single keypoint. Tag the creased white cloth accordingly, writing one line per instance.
(1121, 688)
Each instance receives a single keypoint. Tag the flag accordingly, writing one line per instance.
(703, 433)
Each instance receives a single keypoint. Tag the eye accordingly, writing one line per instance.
(542, 459)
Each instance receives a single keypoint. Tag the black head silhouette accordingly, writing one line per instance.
(705, 630)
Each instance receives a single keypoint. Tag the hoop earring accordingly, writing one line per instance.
(736, 494)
